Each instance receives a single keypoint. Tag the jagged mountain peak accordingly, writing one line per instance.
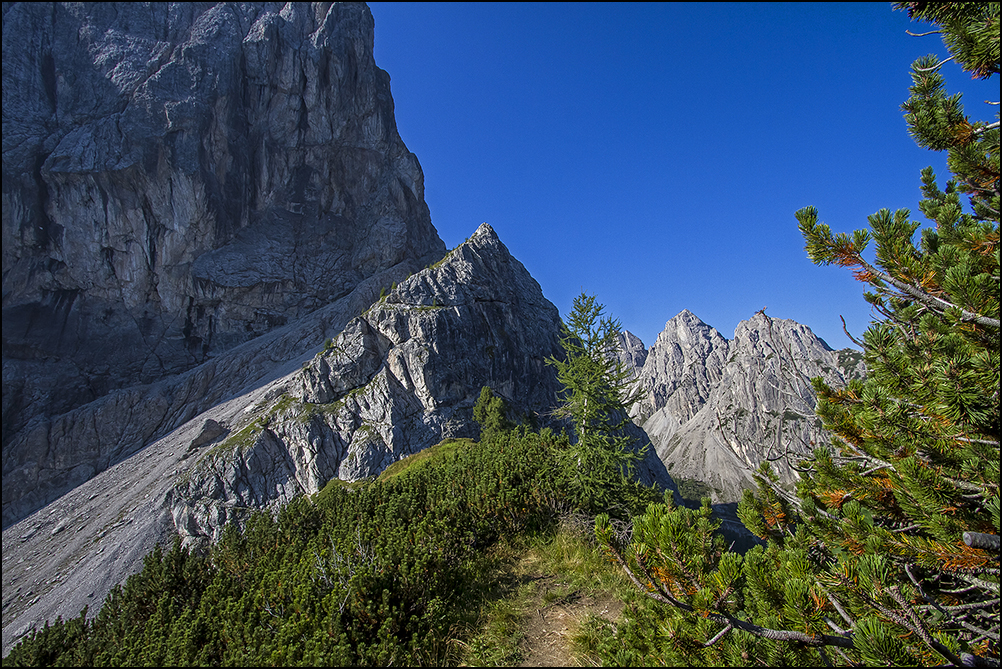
(479, 269)
(685, 326)
(400, 377)
(760, 323)
(716, 408)
(632, 352)
(678, 372)
(685, 315)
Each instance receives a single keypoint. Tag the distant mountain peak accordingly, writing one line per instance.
(715, 408)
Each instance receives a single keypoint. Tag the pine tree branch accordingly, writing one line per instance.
(848, 661)
(864, 457)
(658, 594)
(920, 629)
(978, 131)
(909, 528)
(986, 442)
(873, 470)
(960, 591)
(977, 582)
(934, 67)
(937, 304)
(914, 627)
(973, 606)
(841, 611)
(988, 634)
(988, 542)
(835, 628)
(964, 485)
(851, 338)
(724, 619)
(718, 636)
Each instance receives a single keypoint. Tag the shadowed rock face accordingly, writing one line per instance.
(179, 179)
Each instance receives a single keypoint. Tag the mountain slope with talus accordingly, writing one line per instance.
(400, 376)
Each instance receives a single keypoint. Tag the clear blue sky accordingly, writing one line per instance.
(654, 154)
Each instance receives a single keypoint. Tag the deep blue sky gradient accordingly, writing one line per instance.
(654, 154)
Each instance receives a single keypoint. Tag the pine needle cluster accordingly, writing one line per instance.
(888, 551)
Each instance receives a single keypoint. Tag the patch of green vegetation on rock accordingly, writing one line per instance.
(692, 491)
(426, 457)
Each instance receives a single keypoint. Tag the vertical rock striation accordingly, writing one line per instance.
(179, 179)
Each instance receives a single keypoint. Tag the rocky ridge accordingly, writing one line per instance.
(399, 377)
(716, 408)
(180, 179)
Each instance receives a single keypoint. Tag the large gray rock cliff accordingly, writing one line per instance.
(179, 179)
(397, 378)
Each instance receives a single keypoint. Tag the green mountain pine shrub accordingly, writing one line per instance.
(889, 552)
(378, 572)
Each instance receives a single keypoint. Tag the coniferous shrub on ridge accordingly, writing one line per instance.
(379, 572)
(888, 553)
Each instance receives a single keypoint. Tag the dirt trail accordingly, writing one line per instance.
(553, 617)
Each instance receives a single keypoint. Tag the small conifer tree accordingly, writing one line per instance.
(596, 398)
(490, 412)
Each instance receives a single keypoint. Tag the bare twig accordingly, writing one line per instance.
(908, 528)
(851, 338)
(978, 131)
(718, 636)
(988, 542)
(934, 67)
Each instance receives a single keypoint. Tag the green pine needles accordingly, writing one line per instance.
(596, 398)
(888, 553)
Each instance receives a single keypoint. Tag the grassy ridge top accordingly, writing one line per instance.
(410, 568)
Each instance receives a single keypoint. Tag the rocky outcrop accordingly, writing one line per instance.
(401, 377)
(715, 409)
(179, 179)
(678, 372)
(631, 352)
(48, 458)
